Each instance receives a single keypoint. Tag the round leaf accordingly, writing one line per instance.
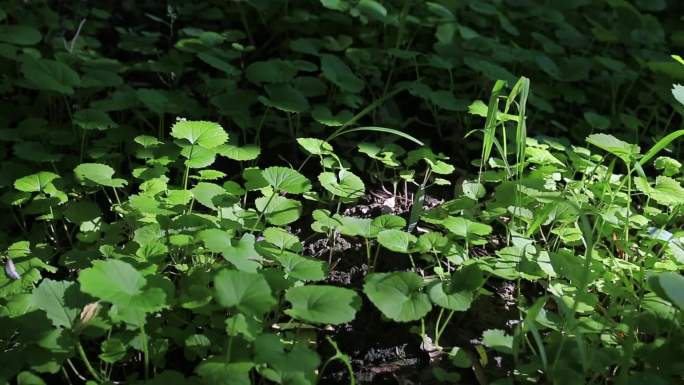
(323, 304)
(200, 132)
(398, 295)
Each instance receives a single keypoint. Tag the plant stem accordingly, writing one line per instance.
(88, 366)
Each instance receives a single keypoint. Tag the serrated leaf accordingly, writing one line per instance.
(347, 186)
(398, 295)
(99, 174)
(315, 146)
(35, 182)
(280, 210)
(323, 304)
(248, 292)
(113, 281)
(615, 146)
(340, 74)
(60, 300)
(200, 132)
(397, 240)
(286, 180)
(498, 340)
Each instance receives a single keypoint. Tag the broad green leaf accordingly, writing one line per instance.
(20, 34)
(398, 295)
(244, 153)
(93, 119)
(200, 132)
(217, 371)
(459, 300)
(324, 116)
(286, 179)
(285, 98)
(315, 146)
(347, 186)
(35, 182)
(197, 156)
(373, 9)
(323, 304)
(623, 150)
(271, 71)
(50, 75)
(282, 239)
(678, 93)
(597, 121)
(99, 174)
(498, 340)
(302, 268)
(113, 281)
(280, 210)
(209, 194)
(60, 300)
(397, 240)
(465, 227)
(340, 74)
(112, 350)
(672, 284)
(248, 292)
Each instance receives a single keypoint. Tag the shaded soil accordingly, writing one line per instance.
(386, 352)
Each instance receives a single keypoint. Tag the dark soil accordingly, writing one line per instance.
(386, 352)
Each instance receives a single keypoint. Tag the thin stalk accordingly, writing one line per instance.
(88, 366)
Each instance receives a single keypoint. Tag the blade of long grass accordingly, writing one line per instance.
(376, 129)
(662, 143)
(491, 121)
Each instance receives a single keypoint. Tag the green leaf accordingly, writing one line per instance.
(200, 132)
(597, 121)
(315, 146)
(50, 75)
(373, 9)
(112, 281)
(398, 295)
(217, 371)
(271, 71)
(209, 194)
(112, 350)
(498, 340)
(248, 292)
(678, 93)
(672, 285)
(441, 296)
(246, 152)
(286, 179)
(397, 240)
(323, 304)
(465, 227)
(302, 268)
(280, 210)
(35, 182)
(60, 300)
(615, 146)
(347, 186)
(99, 174)
(324, 116)
(340, 74)
(285, 98)
(93, 119)
(20, 34)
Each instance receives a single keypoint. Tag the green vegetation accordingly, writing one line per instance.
(341, 192)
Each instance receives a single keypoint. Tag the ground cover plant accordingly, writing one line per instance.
(341, 192)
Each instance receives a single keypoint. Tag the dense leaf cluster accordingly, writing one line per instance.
(183, 184)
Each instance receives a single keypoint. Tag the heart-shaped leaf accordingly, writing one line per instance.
(286, 180)
(323, 304)
(398, 295)
(200, 132)
(248, 292)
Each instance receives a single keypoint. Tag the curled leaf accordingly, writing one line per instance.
(11, 270)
